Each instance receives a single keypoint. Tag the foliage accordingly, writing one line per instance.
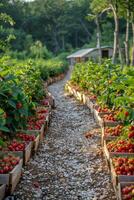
(22, 88)
(13, 102)
(114, 88)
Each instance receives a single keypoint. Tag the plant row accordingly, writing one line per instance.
(111, 86)
(113, 110)
(16, 152)
(22, 89)
(25, 110)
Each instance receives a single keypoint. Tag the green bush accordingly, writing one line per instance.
(113, 87)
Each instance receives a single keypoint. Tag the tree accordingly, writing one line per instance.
(4, 37)
(127, 7)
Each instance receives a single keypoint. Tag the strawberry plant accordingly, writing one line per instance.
(14, 104)
(112, 86)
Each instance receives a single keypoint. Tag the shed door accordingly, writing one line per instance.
(105, 54)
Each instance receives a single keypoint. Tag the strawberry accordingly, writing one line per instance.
(126, 114)
(19, 105)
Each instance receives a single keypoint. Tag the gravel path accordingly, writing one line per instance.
(67, 165)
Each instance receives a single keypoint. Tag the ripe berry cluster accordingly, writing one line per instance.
(128, 192)
(109, 117)
(104, 110)
(123, 166)
(123, 146)
(7, 163)
(16, 146)
(131, 132)
(25, 137)
(113, 131)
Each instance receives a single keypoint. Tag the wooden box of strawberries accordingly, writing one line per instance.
(10, 170)
(122, 170)
(126, 191)
(119, 147)
(111, 133)
(2, 191)
(101, 111)
(30, 136)
(19, 146)
(39, 122)
(110, 120)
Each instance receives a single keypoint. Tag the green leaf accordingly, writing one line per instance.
(12, 103)
(5, 129)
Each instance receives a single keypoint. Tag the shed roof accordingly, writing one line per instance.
(84, 52)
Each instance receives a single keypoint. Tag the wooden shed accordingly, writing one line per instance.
(90, 54)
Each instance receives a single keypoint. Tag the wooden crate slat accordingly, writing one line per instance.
(15, 178)
(90, 105)
(36, 143)
(4, 179)
(111, 124)
(2, 191)
(28, 152)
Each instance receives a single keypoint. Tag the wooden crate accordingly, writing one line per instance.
(27, 153)
(90, 104)
(79, 96)
(106, 138)
(101, 114)
(98, 118)
(116, 179)
(36, 143)
(69, 89)
(15, 177)
(120, 186)
(43, 130)
(74, 93)
(12, 178)
(84, 98)
(108, 155)
(2, 191)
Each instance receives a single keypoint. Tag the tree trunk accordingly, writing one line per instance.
(127, 40)
(116, 35)
(132, 61)
(98, 38)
